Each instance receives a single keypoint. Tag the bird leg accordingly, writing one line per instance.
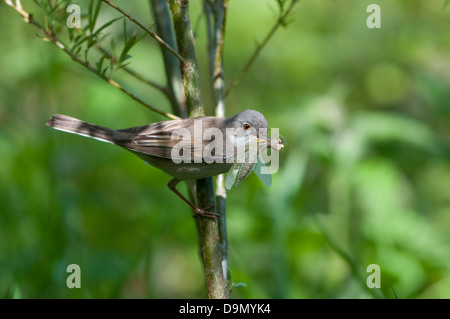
(198, 211)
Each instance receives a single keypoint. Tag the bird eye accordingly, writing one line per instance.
(246, 126)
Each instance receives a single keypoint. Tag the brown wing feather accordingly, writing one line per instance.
(158, 139)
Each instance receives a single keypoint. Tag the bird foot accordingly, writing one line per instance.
(199, 212)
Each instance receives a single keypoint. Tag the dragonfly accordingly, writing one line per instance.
(253, 158)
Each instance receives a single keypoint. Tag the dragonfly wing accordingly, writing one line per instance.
(245, 170)
(230, 179)
(261, 171)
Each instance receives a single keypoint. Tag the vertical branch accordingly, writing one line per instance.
(189, 67)
(210, 246)
(208, 231)
(171, 65)
(216, 17)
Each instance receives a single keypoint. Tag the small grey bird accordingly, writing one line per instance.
(155, 144)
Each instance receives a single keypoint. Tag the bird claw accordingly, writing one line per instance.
(205, 212)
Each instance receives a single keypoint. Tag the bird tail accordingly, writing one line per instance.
(72, 125)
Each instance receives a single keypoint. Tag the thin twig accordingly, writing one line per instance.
(131, 72)
(51, 37)
(150, 33)
(280, 21)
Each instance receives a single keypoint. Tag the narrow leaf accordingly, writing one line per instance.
(104, 71)
(70, 32)
(107, 24)
(239, 284)
(91, 8)
(79, 43)
(57, 6)
(100, 64)
(125, 40)
(93, 14)
(97, 11)
(131, 42)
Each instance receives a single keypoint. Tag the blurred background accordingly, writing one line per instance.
(364, 178)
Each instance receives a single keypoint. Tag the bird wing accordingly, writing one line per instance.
(165, 139)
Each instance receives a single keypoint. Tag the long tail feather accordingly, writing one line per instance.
(72, 125)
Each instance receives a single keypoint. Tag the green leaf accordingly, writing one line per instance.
(97, 10)
(94, 37)
(70, 32)
(101, 38)
(78, 51)
(113, 46)
(104, 71)
(85, 29)
(126, 57)
(56, 6)
(78, 37)
(281, 4)
(239, 284)
(107, 24)
(91, 8)
(93, 14)
(91, 42)
(79, 42)
(128, 45)
(99, 64)
(125, 40)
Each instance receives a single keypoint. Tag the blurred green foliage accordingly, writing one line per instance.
(364, 178)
